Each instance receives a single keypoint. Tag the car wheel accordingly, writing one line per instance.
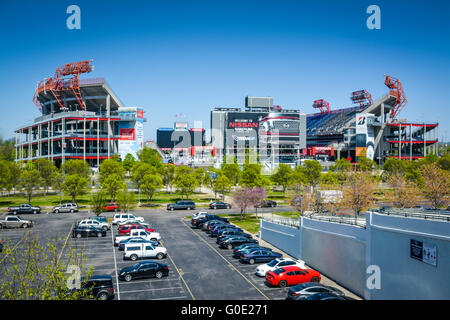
(159, 274)
(24, 225)
(105, 228)
(315, 279)
(133, 257)
(71, 211)
(102, 296)
(34, 211)
(128, 277)
(282, 283)
(171, 209)
(229, 246)
(78, 235)
(251, 261)
(56, 211)
(115, 210)
(159, 256)
(229, 207)
(214, 207)
(14, 212)
(189, 208)
(99, 234)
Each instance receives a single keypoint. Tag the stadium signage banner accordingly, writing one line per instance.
(423, 251)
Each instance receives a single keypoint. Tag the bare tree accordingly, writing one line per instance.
(358, 192)
(301, 200)
(436, 185)
(245, 197)
(405, 193)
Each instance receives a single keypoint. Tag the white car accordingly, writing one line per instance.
(134, 251)
(278, 263)
(132, 221)
(200, 214)
(120, 217)
(153, 236)
(95, 223)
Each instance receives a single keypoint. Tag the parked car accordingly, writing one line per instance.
(217, 230)
(199, 214)
(132, 221)
(24, 208)
(91, 222)
(153, 236)
(206, 226)
(134, 251)
(278, 263)
(87, 231)
(15, 222)
(120, 217)
(290, 276)
(99, 286)
(306, 289)
(238, 254)
(66, 207)
(219, 205)
(136, 240)
(198, 222)
(244, 247)
(111, 206)
(231, 242)
(325, 296)
(181, 205)
(144, 269)
(258, 256)
(231, 232)
(128, 227)
(99, 219)
(266, 204)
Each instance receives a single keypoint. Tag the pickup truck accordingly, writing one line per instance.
(153, 236)
(15, 222)
(24, 208)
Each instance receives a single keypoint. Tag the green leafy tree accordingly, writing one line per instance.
(110, 167)
(150, 156)
(47, 172)
(366, 164)
(75, 185)
(150, 184)
(232, 172)
(7, 150)
(97, 201)
(128, 162)
(252, 177)
(222, 185)
(30, 180)
(76, 166)
(283, 177)
(200, 175)
(112, 184)
(330, 178)
(127, 201)
(140, 169)
(168, 174)
(58, 184)
(185, 181)
(312, 171)
(341, 168)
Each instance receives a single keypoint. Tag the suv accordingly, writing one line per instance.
(66, 207)
(181, 205)
(123, 216)
(91, 222)
(100, 287)
(133, 251)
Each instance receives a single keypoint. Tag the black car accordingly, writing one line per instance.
(199, 221)
(325, 296)
(100, 287)
(266, 204)
(206, 226)
(181, 205)
(144, 269)
(229, 232)
(232, 242)
(237, 252)
(306, 289)
(87, 231)
(219, 205)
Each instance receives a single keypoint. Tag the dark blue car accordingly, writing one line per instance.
(136, 240)
(259, 256)
(231, 232)
(238, 253)
(211, 225)
(214, 232)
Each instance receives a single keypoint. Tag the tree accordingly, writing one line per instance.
(29, 181)
(97, 201)
(58, 184)
(341, 168)
(185, 181)
(222, 185)
(312, 170)
(76, 166)
(75, 185)
(110, 167)
(232, 172)
(127, 201)
(245, 197)
(150, 184)
(112, 184)
(138, 172)
(7, 150)
(36, 270)
(150, 156)
(358, 192)
(200, 175)
(302, 200)
(298, 180)
(283, 177)
(406, 194)
(128, 162)
(47, 172)
(436, 185)
(168, 174)
(366, 164)
(330, 178)
(252, 177)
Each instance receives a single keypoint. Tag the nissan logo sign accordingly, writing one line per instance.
(286, 125)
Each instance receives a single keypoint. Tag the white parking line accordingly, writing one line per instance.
(115, 268)
(135, 282)
(151, 290)
(170, 298)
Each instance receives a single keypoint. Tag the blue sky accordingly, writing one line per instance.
(186, 57)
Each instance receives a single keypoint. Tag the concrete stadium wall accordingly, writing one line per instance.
(283, 237)
(337, 251)
(403, 277)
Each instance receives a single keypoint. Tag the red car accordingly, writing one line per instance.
(128, 227)
(292, 275)
(112, 206)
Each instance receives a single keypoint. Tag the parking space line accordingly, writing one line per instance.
(115, 268)
(170, 298)
(144, 290)
(228, 262)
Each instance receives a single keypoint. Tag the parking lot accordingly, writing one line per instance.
(198, 268)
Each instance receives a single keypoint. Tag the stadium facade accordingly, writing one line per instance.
(81, 119)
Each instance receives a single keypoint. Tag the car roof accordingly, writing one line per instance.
(101, 277)
(292, 268)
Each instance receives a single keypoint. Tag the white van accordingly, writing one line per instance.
(134, 251)
(119, 217)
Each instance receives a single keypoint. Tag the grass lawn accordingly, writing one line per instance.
(248, 223)
(287, 214)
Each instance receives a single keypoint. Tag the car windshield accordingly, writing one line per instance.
(279, 271)
(272, 263)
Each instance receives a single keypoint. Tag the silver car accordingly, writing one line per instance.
(66, 207)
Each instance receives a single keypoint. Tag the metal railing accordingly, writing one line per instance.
(411, 213)
(295, 223)
(359, 222)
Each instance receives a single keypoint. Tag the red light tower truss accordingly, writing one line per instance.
(66, 78)
(363, 97)
(322, 105)
(396, 90)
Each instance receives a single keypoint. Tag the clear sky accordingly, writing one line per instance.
(186, 57)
